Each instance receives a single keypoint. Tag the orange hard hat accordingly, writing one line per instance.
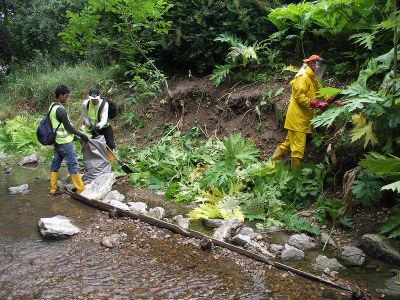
(313, 57)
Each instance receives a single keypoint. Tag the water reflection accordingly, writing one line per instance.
(20, 213)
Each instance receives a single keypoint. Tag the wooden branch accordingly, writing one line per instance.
(198, 235)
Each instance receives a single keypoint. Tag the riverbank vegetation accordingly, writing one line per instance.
(132, 50)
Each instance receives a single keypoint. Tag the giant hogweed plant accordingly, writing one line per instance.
(329, 18)
(373, 109)
(228, 179)
(372, 105)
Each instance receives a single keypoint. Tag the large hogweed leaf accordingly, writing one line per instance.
(381, 165)
(229, 207)
(238, 149)
(363, 128)
(394, 186)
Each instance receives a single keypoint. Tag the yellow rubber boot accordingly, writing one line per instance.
(77, 182)
(53, 182)
(110, 156)
(279, 154)
(295, 162)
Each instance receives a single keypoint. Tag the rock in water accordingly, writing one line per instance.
(57, 227)
(21, 189)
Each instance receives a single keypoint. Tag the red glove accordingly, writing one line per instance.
(319, 104)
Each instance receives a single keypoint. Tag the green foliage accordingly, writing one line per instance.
(332, 209)
(317, 139)
(125, 28)
(220, 207)
(220, 73)
(297, 224)
(328, 92)
(114, 23)
(325, 25)
(367, 188)
(364, 39)
(195, 26)
(227, 177)
(36, 83)
(132, 120)
(381, 165)
(388, 167)
(144, 80)
(18, 135)
(239, 150)
(392, 226)
(371, 105)
(32, 26)
(239, 56)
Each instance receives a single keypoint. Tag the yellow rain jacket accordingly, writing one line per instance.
(299, 113)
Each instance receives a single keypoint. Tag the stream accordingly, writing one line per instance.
(152, 264)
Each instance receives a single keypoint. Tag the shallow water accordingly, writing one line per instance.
(32, 268)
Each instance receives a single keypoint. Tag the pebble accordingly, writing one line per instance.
(259, 237)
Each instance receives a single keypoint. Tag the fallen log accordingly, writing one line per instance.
(355, 293)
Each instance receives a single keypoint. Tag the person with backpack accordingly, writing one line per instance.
(96, 113)
(63, 145)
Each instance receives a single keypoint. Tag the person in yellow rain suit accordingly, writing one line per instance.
(301, 110)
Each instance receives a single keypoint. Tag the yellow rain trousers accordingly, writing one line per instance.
(298, 116)
(295, 144)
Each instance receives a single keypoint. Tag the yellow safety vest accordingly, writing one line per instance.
(62, 135)
(93, 113)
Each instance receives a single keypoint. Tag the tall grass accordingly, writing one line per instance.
(30, 89)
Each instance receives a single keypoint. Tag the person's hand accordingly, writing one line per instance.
(93, 131)
(84, 138)
(314, 103)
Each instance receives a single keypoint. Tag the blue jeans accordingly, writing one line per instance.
(67, 152)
